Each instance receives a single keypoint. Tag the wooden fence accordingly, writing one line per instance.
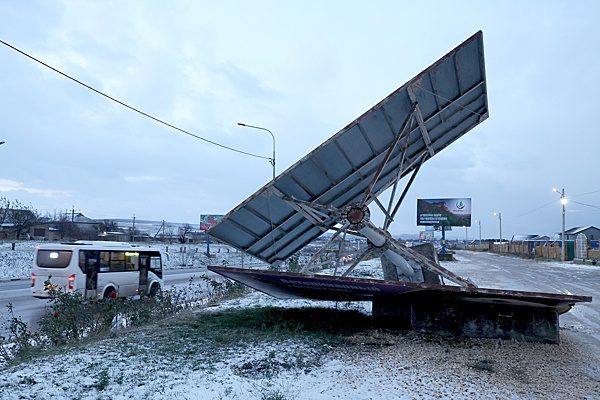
(543, 249)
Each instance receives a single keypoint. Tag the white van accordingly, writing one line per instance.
(96, 269)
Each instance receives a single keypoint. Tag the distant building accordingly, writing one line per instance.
(15, 222)
(126, 229)
(44, 231)
(525, 238)
(66, 226)
(115, 236)
(591, 232)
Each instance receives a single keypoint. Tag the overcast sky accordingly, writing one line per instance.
(303, 70)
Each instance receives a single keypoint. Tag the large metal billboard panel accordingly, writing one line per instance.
(444, 212)
(452, 98)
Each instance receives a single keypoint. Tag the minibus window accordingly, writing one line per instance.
(53, 258)
(117, 261)
(104, 261)
(156, 266)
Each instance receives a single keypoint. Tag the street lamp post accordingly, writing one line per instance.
(478, 222)
(271, 160)
(499, 215)
(563, 202)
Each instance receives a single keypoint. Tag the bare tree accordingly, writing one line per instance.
(62, 221)
(107, 226)
(184, 231)
(4, 207)
(22, 217)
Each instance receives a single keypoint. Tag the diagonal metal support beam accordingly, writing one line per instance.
(419, 116)
(388, 155)
(389, 220)
(315, 206)
(317, 214)
(319, 217)
(318, 253)
(393, 247)
(315, 221)
(398, 177)
(340, 251)
(357, 261)
(382, 208)
(426, 263)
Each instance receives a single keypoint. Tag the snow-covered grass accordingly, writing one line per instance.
(369, 269)
(16, 264)
(258, 348)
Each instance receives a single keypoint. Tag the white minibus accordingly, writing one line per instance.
(96, 269)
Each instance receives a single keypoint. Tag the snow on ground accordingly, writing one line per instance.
(17, 264)
(174, 360)
(170, 362)
(369, 269)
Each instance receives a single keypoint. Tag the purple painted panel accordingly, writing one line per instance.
(325, 287)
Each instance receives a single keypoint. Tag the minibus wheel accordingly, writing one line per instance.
(110, 293)
(154, 289)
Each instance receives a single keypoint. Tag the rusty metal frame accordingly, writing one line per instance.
(516, 295)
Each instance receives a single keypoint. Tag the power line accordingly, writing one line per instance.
(586, 193)
(587, 205)
(535, 209)
(130, 107)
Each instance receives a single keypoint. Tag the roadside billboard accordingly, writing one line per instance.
(207, 221)
(444, 212)
(426, 235)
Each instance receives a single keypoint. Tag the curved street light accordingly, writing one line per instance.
(271, 160)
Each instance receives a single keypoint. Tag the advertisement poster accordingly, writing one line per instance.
(444, 212)
(207, 221)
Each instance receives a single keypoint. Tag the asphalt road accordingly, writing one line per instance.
(489, 270)
(31, 309)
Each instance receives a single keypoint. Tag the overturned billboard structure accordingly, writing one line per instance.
(330, 190)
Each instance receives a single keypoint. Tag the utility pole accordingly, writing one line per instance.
(563, 202)
(73, 214)
(133, 230)
(443, 251)
(499, 215)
